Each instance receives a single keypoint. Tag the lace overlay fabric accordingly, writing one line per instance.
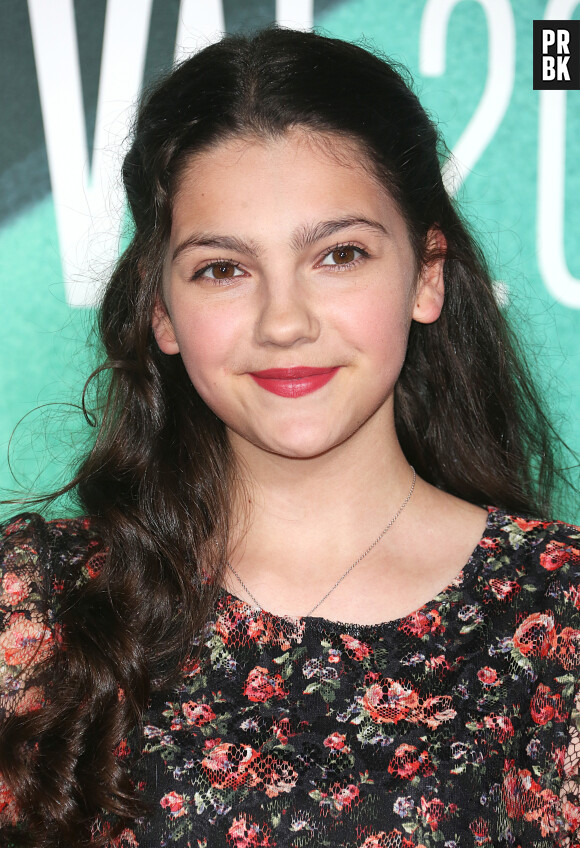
(458, 725)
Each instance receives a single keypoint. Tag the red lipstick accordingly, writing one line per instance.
(293, 382)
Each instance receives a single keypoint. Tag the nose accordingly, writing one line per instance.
(286, 315)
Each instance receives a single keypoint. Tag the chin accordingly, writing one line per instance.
(299, 452)
(301, 444)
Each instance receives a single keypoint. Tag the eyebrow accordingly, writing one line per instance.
(311, 233)
(303, 237)
(219, 242)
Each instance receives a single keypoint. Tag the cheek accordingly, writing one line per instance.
(378, 326)
(207, 343)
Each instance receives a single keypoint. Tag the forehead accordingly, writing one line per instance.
(267, 187)
(296, 142)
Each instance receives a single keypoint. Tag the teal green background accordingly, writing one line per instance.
(47, 345)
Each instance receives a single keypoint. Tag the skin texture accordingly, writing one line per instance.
(290, 302)
(287, 253)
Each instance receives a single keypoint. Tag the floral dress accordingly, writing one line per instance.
(453, 726)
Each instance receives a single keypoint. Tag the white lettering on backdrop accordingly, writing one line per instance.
(501, 65)
(200, 23)
(499, 84)
(298, 14)
(87, 191)
(87, 194)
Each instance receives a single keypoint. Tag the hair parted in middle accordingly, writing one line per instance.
(462, 392)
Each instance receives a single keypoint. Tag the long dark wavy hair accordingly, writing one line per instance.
(157, 481)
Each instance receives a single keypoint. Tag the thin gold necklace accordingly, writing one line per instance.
(351, 567)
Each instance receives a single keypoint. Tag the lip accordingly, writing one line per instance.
(293, 382)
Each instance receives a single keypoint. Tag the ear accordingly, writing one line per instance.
(163, 329)
(430, 292)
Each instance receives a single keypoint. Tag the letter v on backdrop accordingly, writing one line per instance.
(86, 189)
(87, 194)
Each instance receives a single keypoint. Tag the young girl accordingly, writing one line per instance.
(307, 604)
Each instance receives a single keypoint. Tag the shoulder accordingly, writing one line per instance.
(47, 550)
(40, 561)
(548, 544)
(531, 565)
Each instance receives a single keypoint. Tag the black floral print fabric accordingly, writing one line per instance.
(454, 726)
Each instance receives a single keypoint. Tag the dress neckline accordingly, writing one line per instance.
(318, 623)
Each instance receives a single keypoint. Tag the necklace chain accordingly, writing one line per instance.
(351, 567)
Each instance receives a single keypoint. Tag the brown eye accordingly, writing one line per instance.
(343, 255)
(219, 271)
(223, 271)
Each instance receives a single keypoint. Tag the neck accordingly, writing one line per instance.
(305, 522)
(336, 502)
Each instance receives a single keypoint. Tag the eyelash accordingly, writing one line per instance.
(216, 264)
(347, 265)
(337, 267)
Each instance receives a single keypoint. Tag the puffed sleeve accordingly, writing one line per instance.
(569, 553)
(40, 562)
(570, 792)
(27, 631)
(27, 627)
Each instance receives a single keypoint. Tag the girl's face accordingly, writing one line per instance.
(289, 288)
